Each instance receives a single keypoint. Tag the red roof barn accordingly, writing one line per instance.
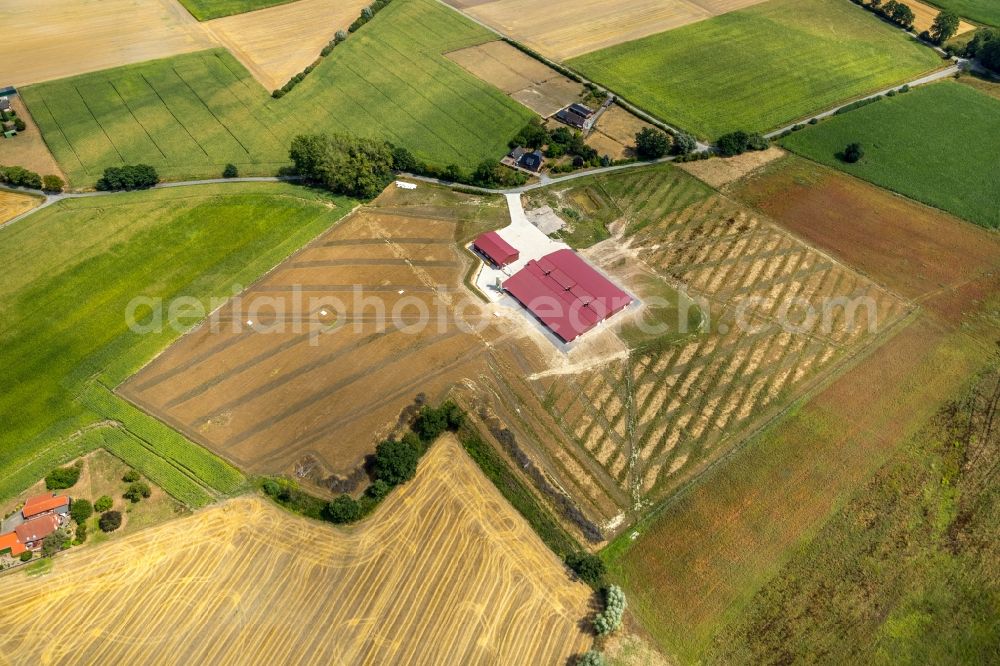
(42, 504)
(567, 294)
(496, 249)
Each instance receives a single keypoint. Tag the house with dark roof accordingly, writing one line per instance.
(532, 161)
(4, 104)
(572, 118)
(581, 110)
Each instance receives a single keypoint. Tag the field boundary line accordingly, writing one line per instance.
(98, 123)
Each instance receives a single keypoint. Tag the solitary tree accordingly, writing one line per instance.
(903, 15)
(103, 503)
(131, 476)
(110, 521)
(853, 153)
(395, 461)
(230, 171)
(52, 183)
(651, 143)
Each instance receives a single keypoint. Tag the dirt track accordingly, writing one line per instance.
(461, 578)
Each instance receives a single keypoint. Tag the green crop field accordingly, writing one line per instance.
(203, 10)
(190, 115)
(64, 338)
(761, 67)
(980, 11)
(934, 144)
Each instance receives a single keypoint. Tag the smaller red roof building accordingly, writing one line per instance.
(10, 542)
(33, 531)
(496, 249)
(42, 504)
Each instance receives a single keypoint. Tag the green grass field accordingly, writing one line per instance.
(980, 11)
(64, 340)
(934, 144)
(204, 10)
(761, 67)
(190, 115)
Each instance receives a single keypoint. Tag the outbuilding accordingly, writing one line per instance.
(495, 249)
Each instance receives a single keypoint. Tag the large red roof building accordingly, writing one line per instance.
(566, 294)
(42, 504)
(32, 532)
(498, 251)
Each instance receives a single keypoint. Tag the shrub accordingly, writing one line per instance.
(80, 510)
(271, 487)
(343, 509)
(52, 183)
(891, 93)
(81, 532)
(395, 461)
(683, 144)
(128, 177)
(103, 503)
(110, 521)
(278, 93)
(137, 491)
(758, 142)
(63, 477)
(853, 153)
(131, 476)
(26, 555)
(19, 125)
(905, 88)
(814, 121)
(610, 619)
(734, 143)
(230, 171)
(590, 658)
(341, 36)
(590, 568)
(652, 144)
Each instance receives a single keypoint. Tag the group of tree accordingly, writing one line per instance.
(63, 477)
(739, 142)
(395, 461)
(610, 619)
(128, 177)
(945, 27)
(21, 177)
(55, 542)
(892, 10)
(368, 13)
(985, 47)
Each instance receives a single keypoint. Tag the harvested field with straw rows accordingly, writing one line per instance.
(564, 29)
(460, 578)
(627, 432)
(13, 204)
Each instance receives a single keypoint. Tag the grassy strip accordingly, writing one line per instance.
(517, 493)
(160, 471)
(932, 144)
(206, 10)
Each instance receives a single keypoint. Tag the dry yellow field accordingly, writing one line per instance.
(278, 42)
(51, 39)
(13, 204)
(925, 15)
(721, 172)
(445, 572)
(530, 82)
(564, 29)
(614, 133)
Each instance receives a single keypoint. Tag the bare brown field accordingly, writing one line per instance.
(444, 572)
(721, 172)
(614, 133)
(278, 42)
(917, 251)
(530, 82)
(563, 29)
(13, 204)
(313, 397)
(27, 149)
(92, 36)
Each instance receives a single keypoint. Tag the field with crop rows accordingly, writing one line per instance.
(758, 68)
(57, 344)
(190, 115)
(459, 574)
(956, 124)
